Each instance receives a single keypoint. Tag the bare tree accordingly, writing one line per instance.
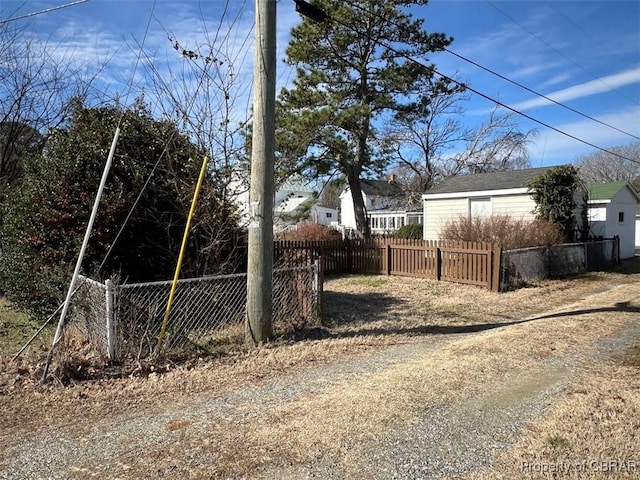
(35, 89)
(603, 167)
(204, 94)
(433, 143)
(330, 193)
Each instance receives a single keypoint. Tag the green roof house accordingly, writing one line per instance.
(613, 208)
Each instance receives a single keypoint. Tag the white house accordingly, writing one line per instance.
(482, 194)
(294, 200)
(612, 211)
(385, 204)
(323, 215)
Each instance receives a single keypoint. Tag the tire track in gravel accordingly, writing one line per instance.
(442, 438)
(449, 440)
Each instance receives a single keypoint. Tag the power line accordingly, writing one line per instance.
(540, 122)
(530, 90)
(583, 30)
(477, 92)
(140, 51)
(47, 10)
(538, 93)
(560, 53)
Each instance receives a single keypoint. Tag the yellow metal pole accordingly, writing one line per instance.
(185, 237)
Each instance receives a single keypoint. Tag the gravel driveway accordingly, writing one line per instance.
(412, 417)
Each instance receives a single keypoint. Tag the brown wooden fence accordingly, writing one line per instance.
(460, 262)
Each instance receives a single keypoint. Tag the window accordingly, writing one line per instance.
(620, 217)
(329, 215)
(480, 207)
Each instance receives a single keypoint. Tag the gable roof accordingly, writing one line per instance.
(504, 180)
(606, 191)
(381, 188)
(295, 183)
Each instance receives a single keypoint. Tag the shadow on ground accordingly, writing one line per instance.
(375, 307)
(629, 265)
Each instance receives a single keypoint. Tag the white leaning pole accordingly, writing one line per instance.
(76, 272)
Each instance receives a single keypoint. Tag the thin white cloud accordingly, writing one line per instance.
(552, 147)
(555, 80)
(534, 69)
(594, 87)
(517, 48)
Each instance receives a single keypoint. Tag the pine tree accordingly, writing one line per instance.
(353, 69)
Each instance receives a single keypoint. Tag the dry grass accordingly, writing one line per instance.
(591, 432)
(360, 305)
(335, 424)
(364, 314)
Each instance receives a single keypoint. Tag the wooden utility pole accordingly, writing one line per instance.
(258, 323)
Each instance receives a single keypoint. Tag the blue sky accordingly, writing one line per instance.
(585, 54)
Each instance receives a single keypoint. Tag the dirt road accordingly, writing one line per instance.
(394, 389)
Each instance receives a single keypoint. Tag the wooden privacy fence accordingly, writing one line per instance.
(461, 262)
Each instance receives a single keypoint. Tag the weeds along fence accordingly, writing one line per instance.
(122, 321)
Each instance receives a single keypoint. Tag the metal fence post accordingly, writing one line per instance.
(587, 251)
(318, 282)
(111, 321)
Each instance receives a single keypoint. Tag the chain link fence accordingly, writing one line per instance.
(525, 265)
(123, 322)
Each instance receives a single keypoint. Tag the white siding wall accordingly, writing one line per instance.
(626, 229)
(604, 220)
(347, 214)
(623, 203)
(518, 207)
(323, 215)
(438, 212)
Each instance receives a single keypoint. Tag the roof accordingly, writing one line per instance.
(606, 191)
(381, 188)
(295, 183)
(503, 180)
(290, 204)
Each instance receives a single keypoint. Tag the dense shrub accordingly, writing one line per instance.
(554, 194)
(46, 213)
(311, 231)
(413, 232)
(503, 230)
